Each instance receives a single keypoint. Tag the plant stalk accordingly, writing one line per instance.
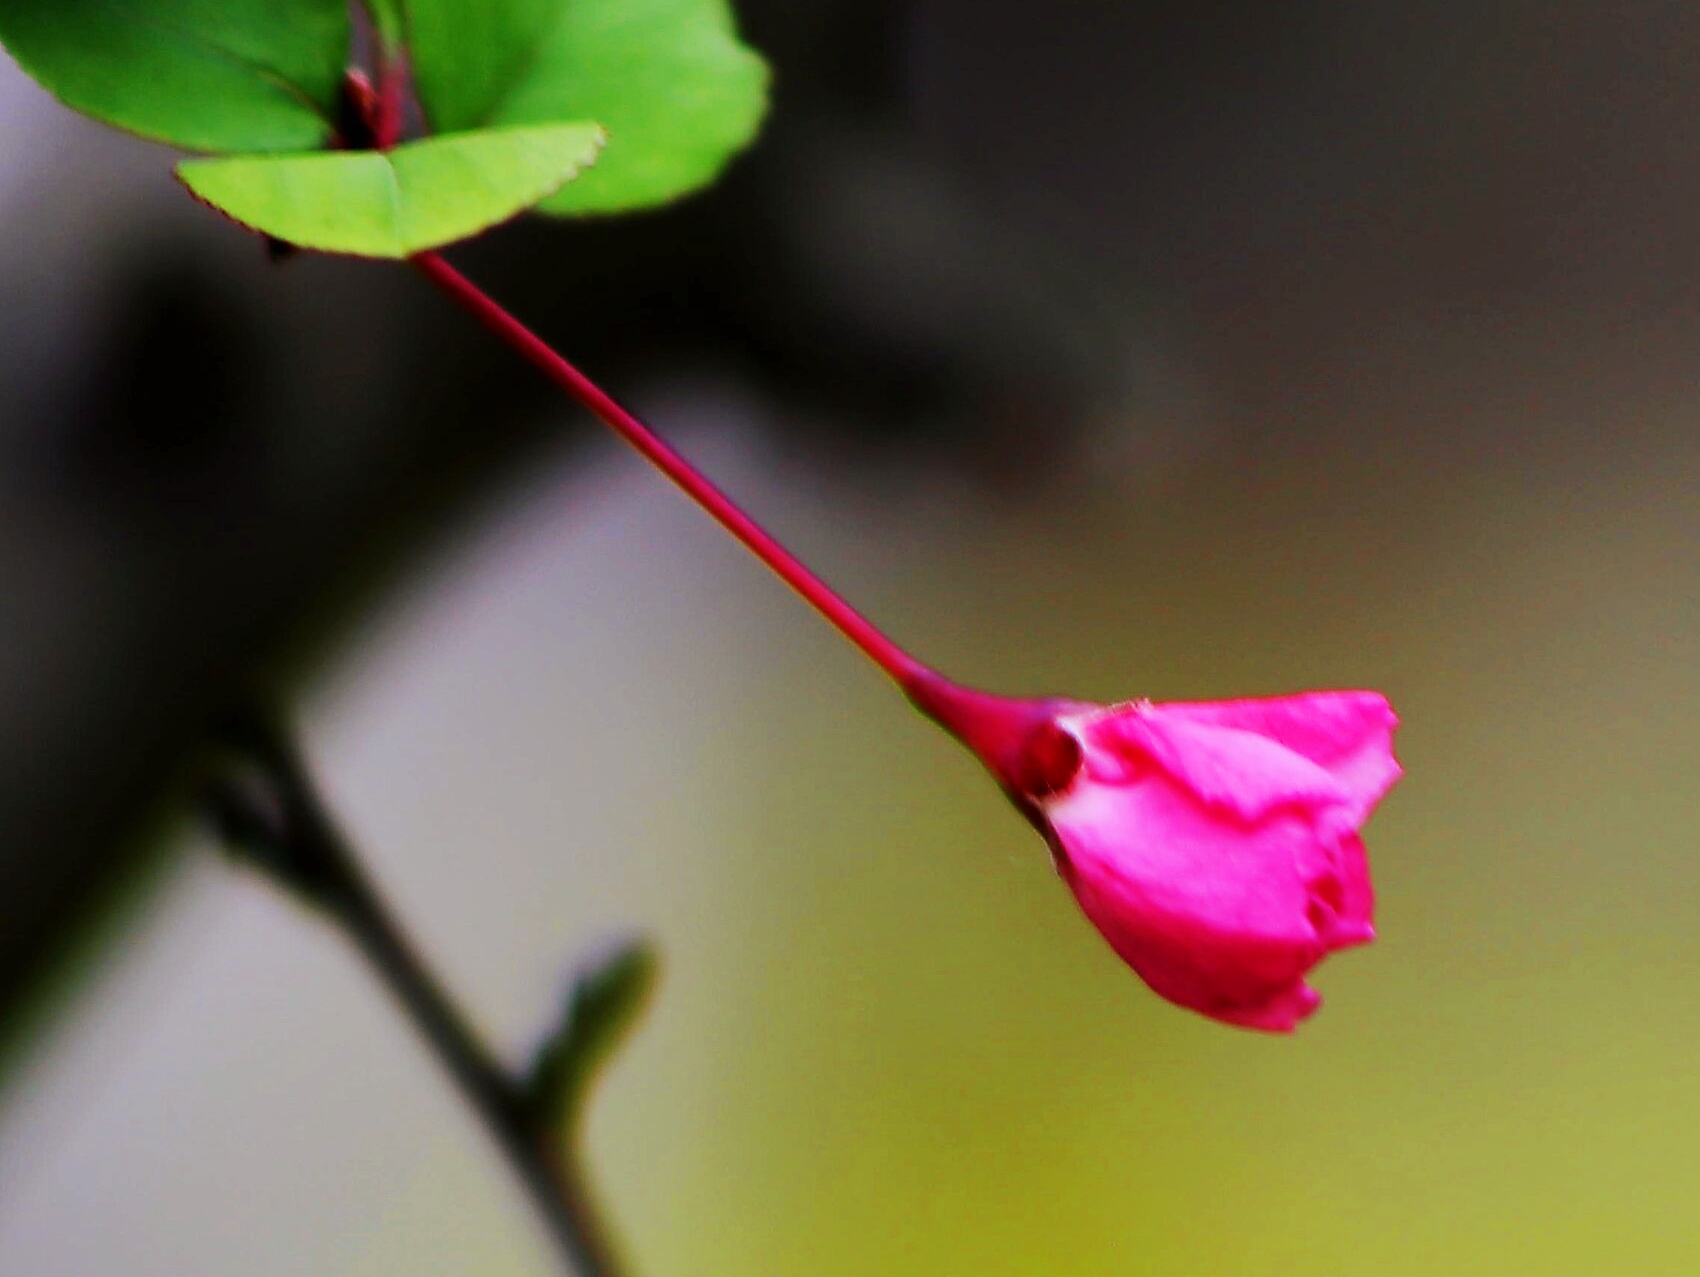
(288, 832)
(551, 1178)
(891, 658)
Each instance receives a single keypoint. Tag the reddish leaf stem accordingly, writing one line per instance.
(852, 624)
(389, 100)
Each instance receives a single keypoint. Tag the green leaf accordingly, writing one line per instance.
(668, 79)
(395, 203)
(604, 1003)
(206, 75)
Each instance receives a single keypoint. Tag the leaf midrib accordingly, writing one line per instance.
(393, 182)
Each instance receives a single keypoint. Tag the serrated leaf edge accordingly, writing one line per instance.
(601, 141)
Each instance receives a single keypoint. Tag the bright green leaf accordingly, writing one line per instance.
(604, 1002)
(395, 203)
(206, 75)
(668, 79)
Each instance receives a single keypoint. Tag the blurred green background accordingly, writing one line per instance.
(1168, 351)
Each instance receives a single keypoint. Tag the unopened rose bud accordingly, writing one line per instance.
(1214, 843)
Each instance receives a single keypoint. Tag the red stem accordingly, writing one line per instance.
(389, 100)
(851, 623)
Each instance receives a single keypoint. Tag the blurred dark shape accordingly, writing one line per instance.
(170, 416)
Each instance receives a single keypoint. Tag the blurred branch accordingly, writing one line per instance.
(268, 814)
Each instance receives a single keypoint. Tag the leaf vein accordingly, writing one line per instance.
(201, 44)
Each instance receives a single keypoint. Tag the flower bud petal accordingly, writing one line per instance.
(1349, 734)
(1216, 846)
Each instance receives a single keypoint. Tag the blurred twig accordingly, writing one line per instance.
(269, 814)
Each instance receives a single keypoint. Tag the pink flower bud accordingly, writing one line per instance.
(1213, 843)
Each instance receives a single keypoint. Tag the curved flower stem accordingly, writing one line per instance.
(851, 623)
(282, 826)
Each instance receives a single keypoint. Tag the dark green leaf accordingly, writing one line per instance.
(668, 79)
(206, 75)
(395, 203)
(605, 1001)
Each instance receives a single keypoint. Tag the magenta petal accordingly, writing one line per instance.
(1212, 913)
(1349, 734)
(1280, 1013)
(1358, 904)
(1218, 862)
(1225, 766)
(1163, 863)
